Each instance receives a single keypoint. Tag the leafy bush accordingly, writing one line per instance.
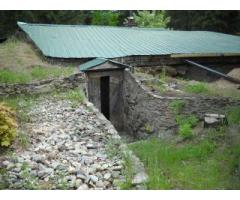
(185, 130)
(197, 88)
(7, 125)
(186, 124)
(192, 120)
(176, 106)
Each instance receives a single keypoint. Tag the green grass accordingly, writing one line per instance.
(176, 106)
(202, 164)
(33, 74)
(9, 76)
(128, 172)
(233, 115)
(21, 104)
(76, 96)
(197, 88)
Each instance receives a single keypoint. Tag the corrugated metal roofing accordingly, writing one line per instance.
(81, 41)
(98, 61)
(92, 63)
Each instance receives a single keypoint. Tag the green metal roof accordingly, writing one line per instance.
(98, 61)
(92, 63)
(82, 41)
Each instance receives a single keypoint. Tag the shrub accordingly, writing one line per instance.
(192, 120)
(197, 88)
(176, 106)
(186, 124)
(7, 125)
(185, 130)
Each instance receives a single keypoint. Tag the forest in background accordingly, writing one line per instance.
(220, 21)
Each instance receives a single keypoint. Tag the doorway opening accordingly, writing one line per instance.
(104, 93)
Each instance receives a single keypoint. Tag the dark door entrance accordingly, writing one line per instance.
(104, 92)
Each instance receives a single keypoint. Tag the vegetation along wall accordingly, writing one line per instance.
(148, 114)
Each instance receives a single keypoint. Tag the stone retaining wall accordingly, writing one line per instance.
(44, 86)
(149, 114)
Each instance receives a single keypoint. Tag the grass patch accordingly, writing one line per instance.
(9, 76)
(113, 150)
(76, 96)
(23, 140)
(233, 115)
(202, 164)
(197, 88)
(176, 106)
(128, 172)
(21, 105)
(35, 73)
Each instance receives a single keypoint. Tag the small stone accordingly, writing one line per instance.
(100, 184)
(83, 187)
(107, 176)
(71, 170)
(115, 174)
(81, 175)
(104, 167)
(38, 158)
(55, 165)
(139, 178)
(5, 163)
(117, 168)
(78, 183)
(93, 178)
(91, 146)
(10, 166)
(17, 169)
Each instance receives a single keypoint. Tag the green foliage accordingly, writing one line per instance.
(8, 125)
(110, 18)
(176, 106)
(29, 181)
(192, 120)
(76, 96)
(23, 140)
(185, 125)
(218, 20)
(39, 73)
(8, 76)
(162, 75)
(21, 104)
(185, 131)
(112, 148)
(151, 19)
(198, 88)
(128, 172)
(35, 73)
(191, 165)
(233, 115)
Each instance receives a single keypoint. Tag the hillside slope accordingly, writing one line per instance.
(21, 63)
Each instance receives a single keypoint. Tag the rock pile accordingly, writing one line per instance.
(67, 151)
